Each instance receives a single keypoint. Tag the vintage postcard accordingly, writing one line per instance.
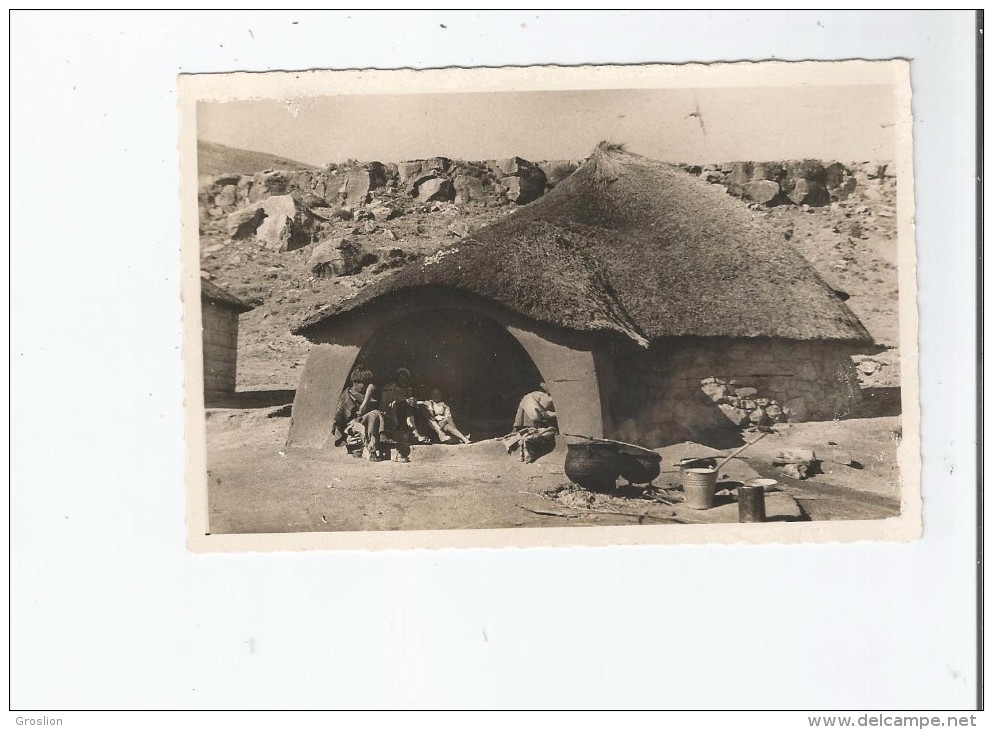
(550, 306)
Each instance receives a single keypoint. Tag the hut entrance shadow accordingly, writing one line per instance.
(482, 370)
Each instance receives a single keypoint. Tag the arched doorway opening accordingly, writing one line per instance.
(482, 370)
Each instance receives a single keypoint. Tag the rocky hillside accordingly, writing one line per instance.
(291, 240)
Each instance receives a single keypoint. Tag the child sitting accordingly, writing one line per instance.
(440, 418)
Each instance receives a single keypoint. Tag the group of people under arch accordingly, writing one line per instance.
(375, 422)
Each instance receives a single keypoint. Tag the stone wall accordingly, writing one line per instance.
(703, 389)
(220, 347)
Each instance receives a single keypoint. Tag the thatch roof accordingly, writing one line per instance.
(639, 247)
(214, 293)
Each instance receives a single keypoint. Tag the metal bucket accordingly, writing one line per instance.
(699, 487)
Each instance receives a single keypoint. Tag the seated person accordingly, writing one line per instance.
(440, 416)
(535, 425)
(399, 404)
(357, 421)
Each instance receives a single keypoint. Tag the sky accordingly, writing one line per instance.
(847, 123)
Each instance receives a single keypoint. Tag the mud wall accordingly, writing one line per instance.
(220, 347)
(707, 390)
(565, 360)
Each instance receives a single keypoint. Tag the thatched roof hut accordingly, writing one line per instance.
(625, 249)
(639, 247)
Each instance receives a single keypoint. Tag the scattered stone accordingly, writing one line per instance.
(775, 412)
(459, 228)
(388, 233)
(867, 367)
(745, 392)
(759, 417)
(737, 416)
(716, 392)
(383, 213)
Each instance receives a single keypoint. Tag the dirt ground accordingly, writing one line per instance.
(258, 485)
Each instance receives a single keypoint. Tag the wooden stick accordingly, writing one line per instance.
(750, 443)
(612, 441)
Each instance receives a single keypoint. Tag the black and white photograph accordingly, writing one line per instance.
(622, 307)
(432, 360)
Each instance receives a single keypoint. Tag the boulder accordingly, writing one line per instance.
(768, 171)
(227, 197)
(737, 416)
(761, 191)
(835, 174)
(716, 392)
(843, 190)
(810, 170)
(741, 173)
(745, 392)
(269, 183)
(309, 199)
(383, 212)
(280, 222)
(407, 170)
(435, 188)
(243, 223)
(508, 167)
(523, 190)
(469, 190)
(807, 192)
(355, 190)
(436, 164)
(339, 257)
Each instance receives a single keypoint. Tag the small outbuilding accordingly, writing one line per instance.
(654, 306)
(220, 339)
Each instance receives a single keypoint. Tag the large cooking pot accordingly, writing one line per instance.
(638, 466)
(594, 465)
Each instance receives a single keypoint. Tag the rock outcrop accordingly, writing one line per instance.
(279, 222)
(790, 182)
(387, 190)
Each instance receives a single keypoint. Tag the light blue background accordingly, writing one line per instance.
(107, 608)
